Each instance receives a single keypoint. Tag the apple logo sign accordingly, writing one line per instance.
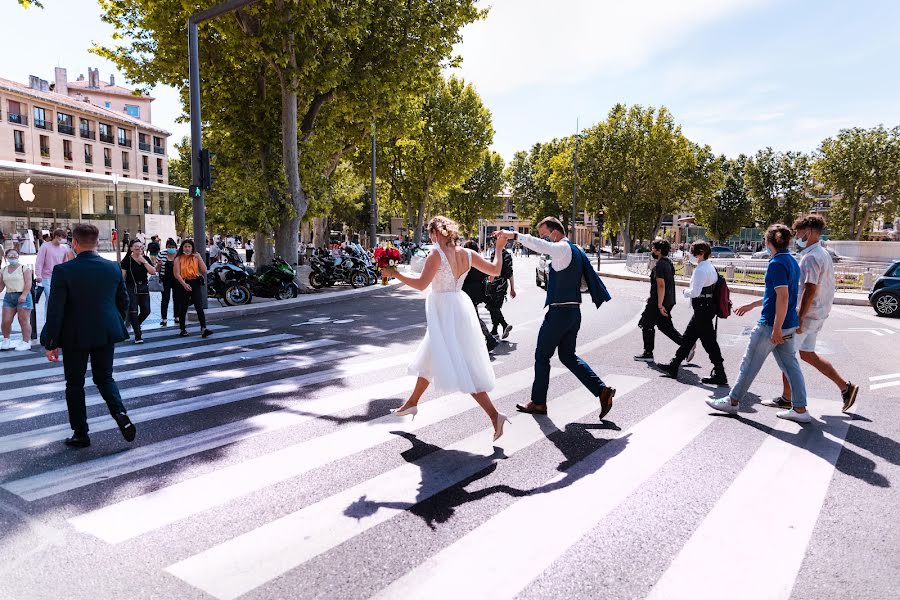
(26, 191)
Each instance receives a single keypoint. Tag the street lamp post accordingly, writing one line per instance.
(373, 226)
(575, 183)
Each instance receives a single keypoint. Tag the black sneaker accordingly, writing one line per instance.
(645, 356)
(506, 331)
(717, 377)
(138, 340)
(779, 402)
(162, 323)
(671, 369)
(492, 343)
(78, 441)
(849, 395)
(125, 426)
(183, 333)
(206, 333)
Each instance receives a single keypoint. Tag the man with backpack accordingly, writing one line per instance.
(707, 293)
(497, 288)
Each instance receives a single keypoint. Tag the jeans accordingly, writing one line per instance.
(652, 320)
(169, 289)
(785, 355)
(138, 310)
(560, 333)
(701, 327)
(74, 367)
(185, 299)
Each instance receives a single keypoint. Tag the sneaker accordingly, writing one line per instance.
(779, 402)
(690, 355)
(22, 346)
(671, 369)
(162, 323)
(723, 405)
(491, 342)
(6, 344)
(506, 331)
(793, 415)
(716, 377)
(138, 340)
(644, 357)
(183, 333)
(125, 426)
(206, 333)
(849, 395)
(78, 441)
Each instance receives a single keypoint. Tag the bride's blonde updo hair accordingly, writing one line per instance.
(444, 226)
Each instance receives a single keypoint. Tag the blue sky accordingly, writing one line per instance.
(737, 74)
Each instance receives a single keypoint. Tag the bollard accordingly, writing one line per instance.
(729, 272)
(867, 280)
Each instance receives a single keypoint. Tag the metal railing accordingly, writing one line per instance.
(67, 155)
(43, 124)
(20, 148)
(45, 152)
(144, 146)
(88, 134)
(107, 162)
(159, 150)
(88, 159)
(159, 172)
(17, 118)
(106, 138)
(66, 129)
(125, 142)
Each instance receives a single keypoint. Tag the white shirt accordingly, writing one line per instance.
(560, 252)
(816, 266)
(704, 276)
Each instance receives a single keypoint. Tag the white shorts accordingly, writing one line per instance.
(806, 341)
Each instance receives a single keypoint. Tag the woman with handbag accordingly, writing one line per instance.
(166, 267)
(136, 269)
(190, 273)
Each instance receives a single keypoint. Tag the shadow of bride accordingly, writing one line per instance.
(440, 491)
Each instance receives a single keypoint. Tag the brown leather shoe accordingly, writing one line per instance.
(606, 401)
(532, 409)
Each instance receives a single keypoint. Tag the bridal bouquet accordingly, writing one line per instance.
(386, 257)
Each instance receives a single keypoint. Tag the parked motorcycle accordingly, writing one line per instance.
(228, 283)
(329, 271)
(270, 281)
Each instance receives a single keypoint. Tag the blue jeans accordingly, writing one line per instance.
(785, 355)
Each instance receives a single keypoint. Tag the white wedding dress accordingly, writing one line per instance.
(453, 355)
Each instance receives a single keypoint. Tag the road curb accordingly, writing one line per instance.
(235, 312)
(738, 289)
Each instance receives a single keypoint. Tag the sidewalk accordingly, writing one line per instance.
(615, 269)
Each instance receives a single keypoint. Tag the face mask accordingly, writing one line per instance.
(546, 238)
(14, 261)
(170, 250)
(188, 252)
(695, 261)
(801, 243)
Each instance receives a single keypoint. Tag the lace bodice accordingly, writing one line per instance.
(444, 281)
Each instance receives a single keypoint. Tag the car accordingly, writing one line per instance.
(417, 262)
(722, 252)
(542, 273)
(885, 294)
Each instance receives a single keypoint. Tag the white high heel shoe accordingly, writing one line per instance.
(498, 425)
(412, 410)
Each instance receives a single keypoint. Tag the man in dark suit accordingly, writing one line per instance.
(86, 318)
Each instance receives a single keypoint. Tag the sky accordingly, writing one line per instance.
(738, 75)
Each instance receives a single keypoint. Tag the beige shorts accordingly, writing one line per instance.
(806, 340)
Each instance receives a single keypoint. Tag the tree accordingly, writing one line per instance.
(729, 208)
(536, 180)
(862, 166)
(778, 184)
(327, 69)
(477, 198)
(27, 3)
(450, 131)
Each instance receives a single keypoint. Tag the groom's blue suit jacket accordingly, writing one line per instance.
(565, 285)
(599, 293)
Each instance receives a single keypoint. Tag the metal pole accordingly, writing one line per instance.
(575, 184)
(199, 209)
(373, 226)
(118, 243)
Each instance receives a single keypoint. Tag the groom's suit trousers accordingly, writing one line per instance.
(559, 333)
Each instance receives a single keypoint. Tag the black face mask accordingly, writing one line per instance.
(546, 238)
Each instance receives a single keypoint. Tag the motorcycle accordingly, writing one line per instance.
(271, 281)
(366, 262)
(329, 271)
(229, 284)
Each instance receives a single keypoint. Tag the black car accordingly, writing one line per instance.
(885, 295)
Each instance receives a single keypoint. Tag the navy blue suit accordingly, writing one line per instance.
(559, 332)
(86, 318)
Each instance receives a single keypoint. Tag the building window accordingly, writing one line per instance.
(19, 141)
(14, 114)
(123, 137)
(143, 142)
(145, 164)
(88, 154)
(67, 149)
(107, 158)
(125, 165)
(64, 123)
(107, 105)
(45, 146)
(133, 111)
(158, 145)
(40, 119)
(85, 129)
(159, 167)
(105, 133)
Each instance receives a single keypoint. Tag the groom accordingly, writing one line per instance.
(559, 333)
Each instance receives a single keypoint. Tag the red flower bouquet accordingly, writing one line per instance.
(386, 257)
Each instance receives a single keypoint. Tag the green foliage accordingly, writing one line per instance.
(540, 182)
(477, 198)
(27, 3)
(729, 208)
(778, 184)
(861, 166)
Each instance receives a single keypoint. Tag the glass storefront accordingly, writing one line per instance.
(35, 200)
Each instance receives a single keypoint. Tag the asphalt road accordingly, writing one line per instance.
(267, 465)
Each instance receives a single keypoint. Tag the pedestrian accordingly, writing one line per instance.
(17, 280)
(214, 252)
(166, 270)
(775, 330)
(48, 256)
(135, 270)
(701, 291)
(86, 318)
(474, 286)
(497, 289)
(248, 250)
(817, 285)
(153, 250)
(126, 238)
(559, 332)
(658, 311)
(190, 273)
(141, 237)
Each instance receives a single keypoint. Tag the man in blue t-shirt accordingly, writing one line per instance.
(774, 332)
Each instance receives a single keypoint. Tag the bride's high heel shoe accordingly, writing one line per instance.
(498, 425)
(412, 410)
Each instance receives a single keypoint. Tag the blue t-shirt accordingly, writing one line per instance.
(782, 270)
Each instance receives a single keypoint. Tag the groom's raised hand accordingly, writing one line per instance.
(503, 234)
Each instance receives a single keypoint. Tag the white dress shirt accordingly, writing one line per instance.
(560, 252)
(704, 276)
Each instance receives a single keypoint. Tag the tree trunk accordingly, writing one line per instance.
(864, 220)
(420, 222)
(319, 230)
(851, 224)
(288, 230)
(262, 249)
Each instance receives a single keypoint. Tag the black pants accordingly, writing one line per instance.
(185, 299)
(652, 320)
(700, 328)
(250, 256)
(170, 289)
(488, 338)
(138, 310)
(495, 305)
(74, 367)
(559, 334)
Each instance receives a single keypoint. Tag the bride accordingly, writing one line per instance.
(452, 355)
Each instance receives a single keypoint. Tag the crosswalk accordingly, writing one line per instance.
(305, 406)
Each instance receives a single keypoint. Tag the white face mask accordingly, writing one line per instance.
(801, 243)
(695, 261)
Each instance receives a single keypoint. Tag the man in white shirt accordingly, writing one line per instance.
(817, 285)
(700, 327)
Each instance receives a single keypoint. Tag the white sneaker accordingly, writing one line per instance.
(723, 405)
(5, 344)
(22, 346)
(793, 415)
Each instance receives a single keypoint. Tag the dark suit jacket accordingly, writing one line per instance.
(599, 293)
(87, 305)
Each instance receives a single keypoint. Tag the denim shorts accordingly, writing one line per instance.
(11, 300)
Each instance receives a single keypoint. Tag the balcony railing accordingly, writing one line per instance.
(144, 146)
(88, 134)
(125, 142)
(106, 138)
(43, 124)
(67, 155)
(45, 152)
(125, 166)
(107, 162)
(159, 171)
(17, 118)
(146, 169)
(159, 149)
(20, 149)
(67, 129)
(88, 159)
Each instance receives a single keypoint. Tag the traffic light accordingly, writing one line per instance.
(206, 179)
(195, 192)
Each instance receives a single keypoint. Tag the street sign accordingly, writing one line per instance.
(195, 192)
